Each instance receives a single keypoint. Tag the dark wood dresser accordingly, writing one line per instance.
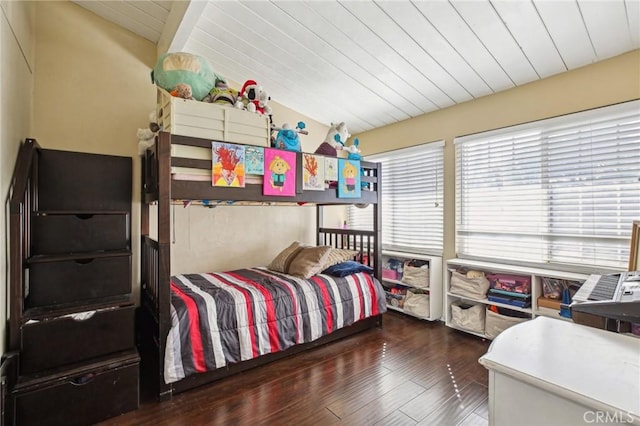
(72, 317)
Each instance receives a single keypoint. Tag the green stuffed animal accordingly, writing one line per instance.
(174, 68)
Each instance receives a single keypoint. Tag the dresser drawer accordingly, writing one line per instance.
(64, 340)
(78, 281)
(75, 181)
(73, 233)
(87, 397)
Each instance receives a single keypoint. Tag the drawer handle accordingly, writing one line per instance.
(84, 216)
(84, 261)
(83, 380)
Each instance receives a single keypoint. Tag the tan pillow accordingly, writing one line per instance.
(309, 261)
(337, 255)
(282, 261)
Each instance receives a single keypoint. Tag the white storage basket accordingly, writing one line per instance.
(417, 303)
(496, 323)
(468, 317)
(475, 288)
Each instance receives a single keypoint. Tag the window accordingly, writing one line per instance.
(562, 191)
(411, 200)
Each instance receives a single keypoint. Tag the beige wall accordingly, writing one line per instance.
(94, 92)
(16, 101)
(604, 83)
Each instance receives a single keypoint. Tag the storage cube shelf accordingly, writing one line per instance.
(510, 273)
(396, 289)
(211, 121)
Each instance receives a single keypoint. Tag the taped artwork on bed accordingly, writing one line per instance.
(228, 164)
(348, 178)
(254, 156)
(313, 173)
(280, 172)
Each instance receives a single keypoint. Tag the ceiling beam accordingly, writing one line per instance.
(180, 23)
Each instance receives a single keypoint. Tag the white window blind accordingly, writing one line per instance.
(561, 191)
(412, 199)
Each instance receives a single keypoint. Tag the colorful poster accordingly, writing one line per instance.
(254, 156)
(313, 173)
(280, 172)
(348, 178)
(330, 169)
(227, 164)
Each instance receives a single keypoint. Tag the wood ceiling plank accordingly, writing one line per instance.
(286, 34)
(117, 12)
(448, 22)
(524, 24)
(567, 29)
(408, 17)
(384, 28)
(367, 40)
(154, 9)
(494, 35)
(633, 17)
(608, 27)
(375, 75)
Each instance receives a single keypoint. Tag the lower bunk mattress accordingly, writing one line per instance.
(227, 317)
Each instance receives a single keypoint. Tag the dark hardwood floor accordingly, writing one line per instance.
(408, 372)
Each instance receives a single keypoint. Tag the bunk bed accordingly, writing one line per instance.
(171, 174)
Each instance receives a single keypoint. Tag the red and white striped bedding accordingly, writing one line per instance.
(227, 317)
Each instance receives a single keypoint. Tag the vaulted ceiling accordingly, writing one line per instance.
(373, 63)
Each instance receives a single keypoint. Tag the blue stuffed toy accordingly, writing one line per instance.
(287, 138)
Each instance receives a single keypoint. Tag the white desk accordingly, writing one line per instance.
(550, 372)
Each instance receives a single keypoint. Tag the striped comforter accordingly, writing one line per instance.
(227, 317)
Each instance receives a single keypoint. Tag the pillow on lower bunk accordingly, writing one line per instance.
(282, 261)
(309, 261)
(337, 255)
(347, 268)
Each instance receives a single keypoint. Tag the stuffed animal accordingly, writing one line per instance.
(288, 139)
(146, 137)
(248, 97)
(182, 90)
(335, 140)
(354, 150)
(222, 94)
(263, 106)
(172, 69)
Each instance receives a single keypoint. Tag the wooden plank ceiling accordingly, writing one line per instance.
(373, 63)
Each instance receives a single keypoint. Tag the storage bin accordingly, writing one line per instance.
(496, 323)
(416, 273)
(78, 281)
(86, 396)
(73, 233)
(469, 287)
(211, 121)
(67, 340)
(513, 283)
(389, 274)
(417, 303)
(468, 317)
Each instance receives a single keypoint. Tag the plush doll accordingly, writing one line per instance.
(263, 106)
(172, 69)
(335, 140)
(248, 97)
(354, 150)
(146, 137)
(182, 90)
(222, 94)
(288, 139)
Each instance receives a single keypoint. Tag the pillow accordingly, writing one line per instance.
(282, 261)
(308, 261)
(337, 255)
(347, 268)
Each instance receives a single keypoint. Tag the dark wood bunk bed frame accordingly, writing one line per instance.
(154, 319)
